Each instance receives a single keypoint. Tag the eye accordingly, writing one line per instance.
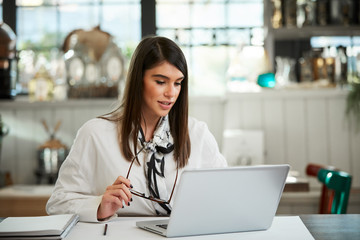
(159, 82)
(177, 83)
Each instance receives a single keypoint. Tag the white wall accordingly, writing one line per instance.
(299, 127)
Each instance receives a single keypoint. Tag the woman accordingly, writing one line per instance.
(124, 162)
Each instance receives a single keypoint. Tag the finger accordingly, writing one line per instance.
(118, 186)
(109, 201)
(123, 194)
(125, 198)
(117, 201)
(123, 180)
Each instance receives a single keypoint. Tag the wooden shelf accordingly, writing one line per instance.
(311, 31)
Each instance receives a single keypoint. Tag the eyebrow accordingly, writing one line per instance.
(165, 77)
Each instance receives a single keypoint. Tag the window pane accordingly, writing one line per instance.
(191, 1)
(237, 36)
(208, 15)
(208, 72)
(245, 15)
(169, 33)
(257, 38)
(222, 37)
(75, 16)
(201, 36)
(172, 15)
(33, 31)
(80, 2)
(122, 1)
(123, 21)
(33, 3)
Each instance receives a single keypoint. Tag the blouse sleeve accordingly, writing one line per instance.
(205, 147)
(73, 192)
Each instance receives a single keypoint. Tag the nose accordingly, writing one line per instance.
(170, 91)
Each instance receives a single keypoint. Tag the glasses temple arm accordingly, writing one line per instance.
(132, 161)
(177, 173)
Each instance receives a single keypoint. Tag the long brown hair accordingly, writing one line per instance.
(150, 52)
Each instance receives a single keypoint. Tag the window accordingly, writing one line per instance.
(1, 17)
(120, 18)
(209, 32)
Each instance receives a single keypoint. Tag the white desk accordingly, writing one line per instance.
(125, 228)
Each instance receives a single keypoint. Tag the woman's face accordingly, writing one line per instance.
(162, 85)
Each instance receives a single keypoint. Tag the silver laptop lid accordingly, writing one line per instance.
(226, 200)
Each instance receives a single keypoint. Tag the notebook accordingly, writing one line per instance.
(40, 227)
(223, 200)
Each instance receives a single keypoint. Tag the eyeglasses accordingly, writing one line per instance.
(143, 195)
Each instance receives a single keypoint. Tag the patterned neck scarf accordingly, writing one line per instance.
(156, 148)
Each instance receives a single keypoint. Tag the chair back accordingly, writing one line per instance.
(340, 183)
(327, 195)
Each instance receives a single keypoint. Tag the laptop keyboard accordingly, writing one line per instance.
(164, 226)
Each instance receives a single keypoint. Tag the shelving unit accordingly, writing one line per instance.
(298, 39)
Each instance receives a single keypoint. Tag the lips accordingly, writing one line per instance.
(165, 103)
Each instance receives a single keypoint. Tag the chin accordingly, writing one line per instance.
(163, 114)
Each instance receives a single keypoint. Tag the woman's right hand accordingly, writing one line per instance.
(116, 196)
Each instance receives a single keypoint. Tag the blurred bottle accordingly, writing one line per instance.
(58, 74)
(341, 63)
(8, 62)
(285, 71)
(319, 65)
(92, 73)
(277, 17)
(323, 12)
(353, 64)
(26, 69)
(305, 13)
(329, 55)
(347, 13)
(41, 87)
(335, 12)
(75, 66)
(306, 68)
(290, 13)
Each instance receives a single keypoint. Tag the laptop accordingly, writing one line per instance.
(223, 200)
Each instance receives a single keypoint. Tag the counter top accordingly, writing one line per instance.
(26, 191)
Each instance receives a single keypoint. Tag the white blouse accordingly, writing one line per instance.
(95, 161)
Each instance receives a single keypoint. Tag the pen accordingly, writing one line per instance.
(105, 229)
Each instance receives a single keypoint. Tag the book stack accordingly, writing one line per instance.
(43, 227)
